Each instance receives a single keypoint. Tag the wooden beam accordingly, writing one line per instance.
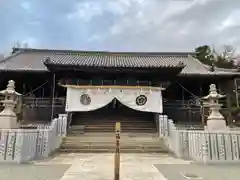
(112, 86)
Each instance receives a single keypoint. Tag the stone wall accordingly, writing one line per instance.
(23, 145)
(201, 145)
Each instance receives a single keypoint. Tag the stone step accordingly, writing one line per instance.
(79, 150)
(114, 123)
(109, 129)
(84, 139)
(111, 146)
(114, 115)
(103, 136)
(80, 141)
(110, 141)
(114, 120)
(96, 142)
(112, 134)
(112, 127)
(123, 130)
(112, 130)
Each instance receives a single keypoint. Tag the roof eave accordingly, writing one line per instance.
(50, 65)
(207, 75)
(23, 70)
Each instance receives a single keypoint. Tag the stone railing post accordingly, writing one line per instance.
(205, 153)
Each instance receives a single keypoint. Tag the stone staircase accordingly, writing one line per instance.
(106, 142)
(105, 120)
(105, 125)
(138, 132)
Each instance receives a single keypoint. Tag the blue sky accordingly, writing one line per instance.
(119, 25)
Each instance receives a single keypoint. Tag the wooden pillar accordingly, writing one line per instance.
(50, 88)
(229, 102)
(236, 92)
(203, 114)
(52, 83)
(225, 87)
(202, 109)
(53, 96)
(69, 119)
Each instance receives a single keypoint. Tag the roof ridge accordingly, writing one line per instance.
(105, 52)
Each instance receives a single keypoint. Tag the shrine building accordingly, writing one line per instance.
(98, 88)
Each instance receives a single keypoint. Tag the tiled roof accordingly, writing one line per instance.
(1, 57)
(22, 61)
(195, 67)
(33, 60)
(112, 60)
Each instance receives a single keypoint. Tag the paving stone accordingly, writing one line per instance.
(32, 172)
(101, 167)
(204, 172)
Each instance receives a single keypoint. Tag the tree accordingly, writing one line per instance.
(203, 54)
(222, 59)
(225, 58)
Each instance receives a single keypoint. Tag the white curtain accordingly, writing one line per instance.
(81, 99)
(141, 100)
(99, 98)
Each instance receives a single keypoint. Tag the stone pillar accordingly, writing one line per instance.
(8, 118)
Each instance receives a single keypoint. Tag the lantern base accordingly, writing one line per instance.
(8, 120)
(216, 125)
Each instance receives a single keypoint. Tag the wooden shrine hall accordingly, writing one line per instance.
(97, 88)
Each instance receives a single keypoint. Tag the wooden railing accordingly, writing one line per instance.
(186, 103)
(41, 102)
(44, 102)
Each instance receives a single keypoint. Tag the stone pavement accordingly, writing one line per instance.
(100, 167)
(32, 172)
(202, 172)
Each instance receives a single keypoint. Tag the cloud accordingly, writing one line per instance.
(86, 11)
(120, 25)
(26, 5)
(175, 26)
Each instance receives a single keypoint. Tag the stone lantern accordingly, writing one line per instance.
(215, 121)
(8, 118)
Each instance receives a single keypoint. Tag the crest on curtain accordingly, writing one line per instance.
(141, 100)
(85, 99)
